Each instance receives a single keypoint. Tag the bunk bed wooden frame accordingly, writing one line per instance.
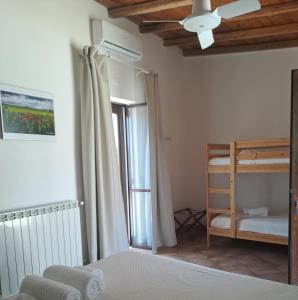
(268, 149)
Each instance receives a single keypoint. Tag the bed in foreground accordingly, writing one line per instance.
(132, 275)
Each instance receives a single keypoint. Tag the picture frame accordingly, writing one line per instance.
(26, 114)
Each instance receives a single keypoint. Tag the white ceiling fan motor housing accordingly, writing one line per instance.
(203, 22)
(201, 18)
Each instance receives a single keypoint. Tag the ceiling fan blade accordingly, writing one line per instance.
(238, 8)
(206, 38)
(162, 21)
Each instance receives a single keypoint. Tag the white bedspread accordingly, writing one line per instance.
(136, 276)
(222, 161)
(275, 225)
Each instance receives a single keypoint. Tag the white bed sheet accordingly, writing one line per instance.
(275, 225)
(137, 276)
(222, 161)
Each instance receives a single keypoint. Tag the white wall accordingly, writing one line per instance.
(40, 40)
(239, 96)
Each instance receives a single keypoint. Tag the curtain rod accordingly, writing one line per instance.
(141, 70)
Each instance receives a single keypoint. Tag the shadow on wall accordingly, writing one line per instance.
(76, 71)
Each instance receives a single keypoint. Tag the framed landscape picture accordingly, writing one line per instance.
(26, 114)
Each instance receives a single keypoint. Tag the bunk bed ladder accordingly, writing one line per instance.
(222, 191)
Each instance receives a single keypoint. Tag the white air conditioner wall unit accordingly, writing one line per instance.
(115, 41)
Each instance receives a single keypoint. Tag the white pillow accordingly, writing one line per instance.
(257, 212)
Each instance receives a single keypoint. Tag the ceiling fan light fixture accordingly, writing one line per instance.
(207, 21)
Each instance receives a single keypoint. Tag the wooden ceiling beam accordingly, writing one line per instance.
(267, 11)
(240, 48)
(240, 35)
(146, 7)
(159, 27)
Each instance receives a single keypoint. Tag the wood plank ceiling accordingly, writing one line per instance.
(274, 26)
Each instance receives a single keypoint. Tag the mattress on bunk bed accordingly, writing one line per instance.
(138, 276)
(222, 161)
(274, 225)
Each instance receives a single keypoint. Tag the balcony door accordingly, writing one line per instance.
(132, 142)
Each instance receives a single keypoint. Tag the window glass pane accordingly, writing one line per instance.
(139, 148)
(141, 219)
(139, 177)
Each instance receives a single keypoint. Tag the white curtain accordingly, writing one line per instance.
(105, 217)
(162, 206)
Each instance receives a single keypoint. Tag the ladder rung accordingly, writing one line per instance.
(219, 211)
(219, 191)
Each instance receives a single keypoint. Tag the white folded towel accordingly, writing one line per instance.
(256, 212)
(46, 289)
(88, 284)
(26, 297)
(95, 271)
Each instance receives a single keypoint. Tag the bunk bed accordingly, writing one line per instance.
(244, 157)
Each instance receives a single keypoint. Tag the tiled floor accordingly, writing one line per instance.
(244, 257)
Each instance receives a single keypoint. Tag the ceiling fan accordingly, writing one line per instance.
(203, 20)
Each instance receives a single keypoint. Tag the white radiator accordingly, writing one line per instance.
(35, 238)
